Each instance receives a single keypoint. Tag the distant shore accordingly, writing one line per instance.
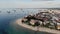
(18, 21)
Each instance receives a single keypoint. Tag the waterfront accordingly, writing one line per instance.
(7, 17)
(7, 21)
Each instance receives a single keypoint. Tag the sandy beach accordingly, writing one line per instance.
(18, 21)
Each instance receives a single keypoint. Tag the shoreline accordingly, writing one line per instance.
(18, 21)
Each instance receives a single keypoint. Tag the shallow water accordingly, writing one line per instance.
(7, 18)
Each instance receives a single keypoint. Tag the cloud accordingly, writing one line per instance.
(26, 4)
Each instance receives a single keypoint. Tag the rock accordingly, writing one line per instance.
(24, 20)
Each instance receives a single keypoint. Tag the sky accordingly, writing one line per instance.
(29, 3)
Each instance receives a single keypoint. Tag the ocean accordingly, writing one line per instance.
(8, 17)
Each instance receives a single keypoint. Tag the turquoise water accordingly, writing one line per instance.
(7, 21)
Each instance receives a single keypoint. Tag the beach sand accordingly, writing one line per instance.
(18, 21)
